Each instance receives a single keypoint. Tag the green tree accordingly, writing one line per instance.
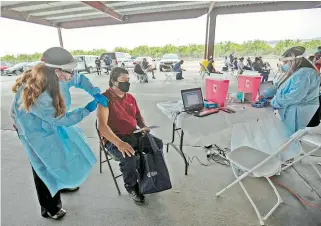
(283, 45)
(255, 47)
(121, 49)
(9, 58)
(311, 46)
(140, 51)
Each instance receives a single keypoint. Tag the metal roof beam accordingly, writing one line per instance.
(266, 7)
(139, 5)
(25, 4)
(211, 6)
(103, 8)
(51, 9)
(11, 14)
(164, 8)
(147, 17)
(75, 13)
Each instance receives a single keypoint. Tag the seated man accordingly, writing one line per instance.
(142, 76)
(258, 68)
(178, 69)
(241, 67)
(210, 67)
(147, 67)
(116, 124)
(235, 62)
(249, 63)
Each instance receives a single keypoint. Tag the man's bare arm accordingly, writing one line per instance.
(140, 121)
(104, 129)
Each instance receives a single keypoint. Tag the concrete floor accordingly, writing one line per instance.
(192, 200)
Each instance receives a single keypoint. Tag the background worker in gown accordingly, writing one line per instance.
(296, 93)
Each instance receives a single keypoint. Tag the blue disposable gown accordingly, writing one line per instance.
(296, 100)
(56, 147)
(77, 81)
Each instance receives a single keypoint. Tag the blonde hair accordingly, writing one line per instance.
(41, 78)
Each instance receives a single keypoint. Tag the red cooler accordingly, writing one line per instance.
(216, 90)
(249, 84)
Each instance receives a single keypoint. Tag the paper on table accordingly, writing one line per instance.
(150, 127)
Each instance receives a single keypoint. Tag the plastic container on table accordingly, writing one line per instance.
(249, 84)
(216, 90)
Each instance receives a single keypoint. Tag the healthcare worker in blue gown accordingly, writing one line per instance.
(295, 94)
(57, 149)
(78, 81)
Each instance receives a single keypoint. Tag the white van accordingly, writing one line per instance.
(119, 59)
(86, 63)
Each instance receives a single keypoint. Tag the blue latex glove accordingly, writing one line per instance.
(262, 100)
(91, 106)
(101, 99)
(261, 103)
(258, 105)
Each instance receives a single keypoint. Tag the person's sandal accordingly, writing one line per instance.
(60, 214)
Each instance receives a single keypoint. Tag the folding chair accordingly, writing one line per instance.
(109, 157)
(260, 165)
(203, 71)
(312, 139)
(169, 73)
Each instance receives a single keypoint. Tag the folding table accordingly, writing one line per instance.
(206, 129)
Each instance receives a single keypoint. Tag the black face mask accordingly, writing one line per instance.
(124, 86)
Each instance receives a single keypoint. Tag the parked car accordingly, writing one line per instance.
(119, 59)
(86, 63)
(15, 69)
(31, 65)
(168, 60)
(150, 60)
(3, 66)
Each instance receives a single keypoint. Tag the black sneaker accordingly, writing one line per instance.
(60, 214)
(135, 195)
(66, 190)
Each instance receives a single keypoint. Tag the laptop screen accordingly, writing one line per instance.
(192, 98)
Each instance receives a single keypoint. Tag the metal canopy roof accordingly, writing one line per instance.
(77, 14)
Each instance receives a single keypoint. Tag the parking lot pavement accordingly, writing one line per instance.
(192, 200)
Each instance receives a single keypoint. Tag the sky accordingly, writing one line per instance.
(21, 37)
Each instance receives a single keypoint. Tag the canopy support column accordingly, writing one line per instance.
(211, 33)
(206, 36)
(60, 37)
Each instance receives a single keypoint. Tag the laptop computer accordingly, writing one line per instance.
(194, 104)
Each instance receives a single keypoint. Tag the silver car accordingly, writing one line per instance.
(168, 60)
(15, 69)
(31, 65)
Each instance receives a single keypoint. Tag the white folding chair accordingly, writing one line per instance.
(203, 71)
(312, 139)
(169, 73)
(258, 164)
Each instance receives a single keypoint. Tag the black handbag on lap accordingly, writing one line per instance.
(154, 176)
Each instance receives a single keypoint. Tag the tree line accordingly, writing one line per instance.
(249, 48)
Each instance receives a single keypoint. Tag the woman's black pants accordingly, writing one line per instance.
(47, 202)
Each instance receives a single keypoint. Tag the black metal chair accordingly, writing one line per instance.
(109, 157)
